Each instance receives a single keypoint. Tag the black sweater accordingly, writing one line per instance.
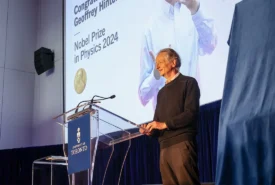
(178, 106)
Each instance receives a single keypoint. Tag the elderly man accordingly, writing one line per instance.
(175, 122)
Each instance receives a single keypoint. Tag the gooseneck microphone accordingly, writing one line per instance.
(94, 101)
(76, 110)
(101, 98)
(87, 110)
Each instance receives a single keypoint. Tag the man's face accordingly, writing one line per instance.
(164, 65)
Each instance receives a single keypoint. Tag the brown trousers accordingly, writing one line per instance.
(178, 164)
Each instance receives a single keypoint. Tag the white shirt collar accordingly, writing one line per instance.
(168, 9)
(170, 80)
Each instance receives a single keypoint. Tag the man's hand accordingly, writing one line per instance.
(156, 125)
(192, 5)
(143, 131)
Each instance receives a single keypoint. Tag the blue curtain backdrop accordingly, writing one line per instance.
(207, 140)
(141, 166)
(246, 144)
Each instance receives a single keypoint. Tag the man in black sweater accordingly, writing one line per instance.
(175, 122)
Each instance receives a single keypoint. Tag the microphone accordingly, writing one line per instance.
(102, 98)
(112, 97)
(96, 101)
(84, 111)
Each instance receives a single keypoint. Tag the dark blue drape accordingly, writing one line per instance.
(141, 165)
(207, 140)
(16, 165)
(246, 147)
(142, 162)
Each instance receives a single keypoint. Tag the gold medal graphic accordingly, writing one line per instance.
(80, 81)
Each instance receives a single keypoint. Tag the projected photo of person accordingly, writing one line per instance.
(183, 26)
